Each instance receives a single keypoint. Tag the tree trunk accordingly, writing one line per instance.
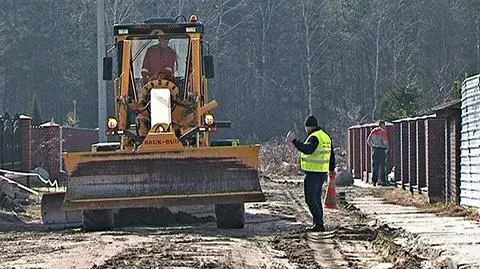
(375, 93)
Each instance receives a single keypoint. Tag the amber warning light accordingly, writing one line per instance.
(112, 125)
(209, 120)
(193, 18)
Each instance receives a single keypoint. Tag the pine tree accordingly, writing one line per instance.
(35, 111)
(456, 91)
(400, 101)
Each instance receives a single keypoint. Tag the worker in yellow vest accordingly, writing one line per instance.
(317, 161)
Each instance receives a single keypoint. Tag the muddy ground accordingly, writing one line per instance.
(274, 237)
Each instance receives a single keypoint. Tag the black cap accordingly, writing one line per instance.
(311, 121)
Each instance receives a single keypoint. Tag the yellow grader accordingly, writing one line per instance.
(162, 156)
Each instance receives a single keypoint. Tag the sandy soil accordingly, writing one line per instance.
(274, 237)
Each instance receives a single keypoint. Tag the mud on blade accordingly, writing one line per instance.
(192, 176)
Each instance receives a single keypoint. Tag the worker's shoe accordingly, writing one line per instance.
(316, 228)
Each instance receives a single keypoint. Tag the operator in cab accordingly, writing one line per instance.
(160, 61)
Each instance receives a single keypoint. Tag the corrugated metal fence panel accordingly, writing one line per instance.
(470, 143)
(455, 159)
(448, 162)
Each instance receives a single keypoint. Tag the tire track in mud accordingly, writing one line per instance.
(274, 237)
(277, 240)
(192, 250)
(345, 244)
(177, 251)
(206, 246)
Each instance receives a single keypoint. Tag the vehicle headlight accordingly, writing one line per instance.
(209, 120)
(112, 123)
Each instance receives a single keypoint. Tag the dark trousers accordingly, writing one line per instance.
(379, 166)
(313, 184)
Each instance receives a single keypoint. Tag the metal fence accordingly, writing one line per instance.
(470, 143)
(359, 161)
(423, 155)
(10, 142)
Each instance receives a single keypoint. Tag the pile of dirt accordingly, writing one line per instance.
(384, 244)
(295, 247)
(343, 178)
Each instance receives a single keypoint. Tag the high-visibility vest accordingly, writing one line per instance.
(319, 160)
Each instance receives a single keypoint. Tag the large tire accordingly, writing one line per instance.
(98, 220)
(230, 216)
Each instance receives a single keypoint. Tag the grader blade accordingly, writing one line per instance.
(54, 216)
(213, 175)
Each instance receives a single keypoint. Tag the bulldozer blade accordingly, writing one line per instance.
(213, 175)
(54, 216)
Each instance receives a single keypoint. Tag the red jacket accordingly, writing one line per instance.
(378, 138)
(161, 61)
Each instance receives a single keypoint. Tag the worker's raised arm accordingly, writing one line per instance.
(308, 147)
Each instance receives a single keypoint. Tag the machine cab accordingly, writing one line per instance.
(161, 81)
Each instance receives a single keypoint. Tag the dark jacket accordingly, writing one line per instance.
(311, 145)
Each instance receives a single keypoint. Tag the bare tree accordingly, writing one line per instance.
(375, 83)
(121, 11)
(313, 40)
(3, 48)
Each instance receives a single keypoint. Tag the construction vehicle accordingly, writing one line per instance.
(163, 156)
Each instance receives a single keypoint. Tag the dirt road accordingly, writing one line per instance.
(274, 237)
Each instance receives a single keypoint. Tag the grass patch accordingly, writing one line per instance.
(400, 197)
(32, 212)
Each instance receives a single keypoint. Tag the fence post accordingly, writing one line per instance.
(26, 138)
(404, 153)
(362, 154)
(368, 156)
(412, 155)
(397, 157)
(420, 155)
(357, 173)
(350, 150)
(2, 142)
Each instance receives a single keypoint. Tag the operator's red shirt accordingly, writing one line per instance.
(378, 138)
(161, 61)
